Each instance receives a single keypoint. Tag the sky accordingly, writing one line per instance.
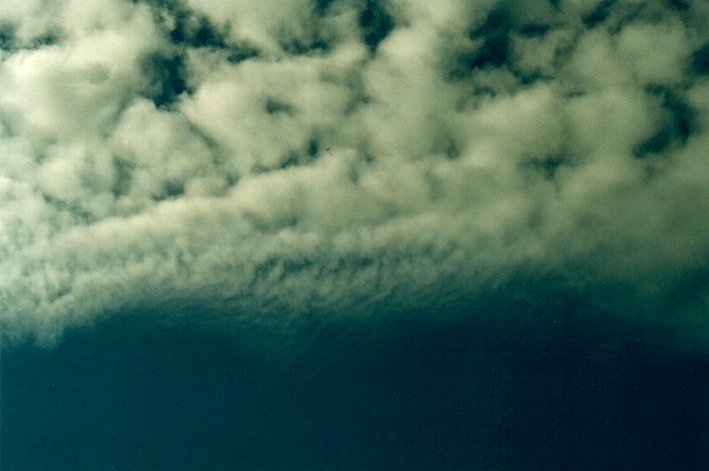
(478, 225)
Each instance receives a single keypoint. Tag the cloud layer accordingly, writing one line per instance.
(171, 156)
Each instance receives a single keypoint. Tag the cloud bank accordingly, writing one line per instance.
(171, 156)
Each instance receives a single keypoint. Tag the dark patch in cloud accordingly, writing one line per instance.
(368, 158)
(451, 149)
(546, 167)
(276, 106)
(376, 23)
(293, 159)
(313, 148)
(528, 79)
(599, 14)
(182, 25)
(237, 54)
(534, 30)
(490, 47)
(167, 78)
(123, 172)
(9, 40)
(314, 46)
(7, 35)
(678, 126)
(700, 60)
(321, 7)
(679, 5)
(49, 38)
(495, 36)
(196, 31)
(171, 189)
(75, 210)
(316, 40)
(657, 143)
(186, 28)
(459, 67)
(624, 14)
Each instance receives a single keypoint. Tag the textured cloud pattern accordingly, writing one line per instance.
(171, 157)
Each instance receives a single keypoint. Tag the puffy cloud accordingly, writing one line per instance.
(172, 157)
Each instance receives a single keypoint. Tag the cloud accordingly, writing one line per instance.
(172, 157)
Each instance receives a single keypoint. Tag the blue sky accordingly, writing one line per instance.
(517, 187)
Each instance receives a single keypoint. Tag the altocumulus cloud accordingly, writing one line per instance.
(171, 156)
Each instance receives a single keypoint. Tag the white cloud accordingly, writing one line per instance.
(201, 181)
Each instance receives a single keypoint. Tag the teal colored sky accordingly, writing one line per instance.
(415, 395)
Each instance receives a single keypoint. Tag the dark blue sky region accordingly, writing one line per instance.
(404, 395)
